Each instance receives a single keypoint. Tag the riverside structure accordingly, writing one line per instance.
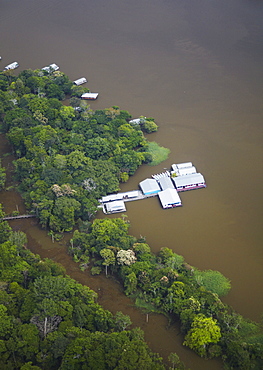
(165, 185)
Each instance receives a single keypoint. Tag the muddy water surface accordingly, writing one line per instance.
(197, 68)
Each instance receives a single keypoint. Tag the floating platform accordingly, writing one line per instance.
(90, 96)
(166, 185)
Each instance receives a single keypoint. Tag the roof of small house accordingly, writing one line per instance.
(169, 197)
(186, 171)
(116, 206)
(80, 81)
(191, 179)
(149, 186)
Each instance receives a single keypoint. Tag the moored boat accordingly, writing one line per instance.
(80, 81)
(11, 66)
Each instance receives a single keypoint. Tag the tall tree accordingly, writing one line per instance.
(204, 331)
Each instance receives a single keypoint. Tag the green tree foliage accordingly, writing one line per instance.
(108, 258)
(52, 319)
(56, 144)
(204, 331)
(2, 177)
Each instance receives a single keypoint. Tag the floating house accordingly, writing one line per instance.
(166, 183)
(13, 65)
(183, 165)
(90, 96)
(189, 182)
(114, 207)
(150, 187)
(182, 169)
(80, 81)
(51, 68)
(186, 171)
(169, 198)
(137, 121)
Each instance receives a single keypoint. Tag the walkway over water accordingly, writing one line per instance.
(17, 217)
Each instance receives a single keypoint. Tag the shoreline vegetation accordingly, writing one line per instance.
(67, 157)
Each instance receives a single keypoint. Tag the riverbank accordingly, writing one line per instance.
(160, 338)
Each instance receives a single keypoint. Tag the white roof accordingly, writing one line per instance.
(116, 206)
(184, 165)
(138, 120)
(135, 120)
(51, 67)
(149, 186)
(165, 183)
(186, 171)
(120, 196)
(12, 66)
(90, 96)
(192, 179)
(80, 81)
(169, 197)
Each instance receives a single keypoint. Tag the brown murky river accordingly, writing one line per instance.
(196, 67)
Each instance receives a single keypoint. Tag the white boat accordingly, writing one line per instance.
(80, 81)
(11, 66)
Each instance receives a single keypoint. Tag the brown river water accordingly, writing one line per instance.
(196, 67)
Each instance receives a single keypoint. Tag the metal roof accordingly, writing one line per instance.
(195, 178)
(169, 197)
(187, 171)
(116, 206)
(149, 186)
(80, 81)
(120, 196)
(165, 183)
(89, 96)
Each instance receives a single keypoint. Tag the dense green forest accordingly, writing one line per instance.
(165, 283)
(67, 157)
(49, 321)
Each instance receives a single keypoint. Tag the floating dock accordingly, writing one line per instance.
(90, 96)
(165, 185)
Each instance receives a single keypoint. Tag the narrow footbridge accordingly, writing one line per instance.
(17, 217)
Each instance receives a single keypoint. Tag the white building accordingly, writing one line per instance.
(137, 121)
(186, 171)
(121, 196)
(149, 187)
(114, 207)
(52, 67)
(169, 198)
(80, 81)
(189, 182)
